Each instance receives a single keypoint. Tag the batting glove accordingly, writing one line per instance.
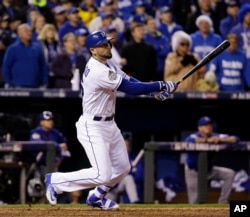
(168, 86)
(161, 96)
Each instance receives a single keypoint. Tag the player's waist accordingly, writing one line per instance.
(99, 117)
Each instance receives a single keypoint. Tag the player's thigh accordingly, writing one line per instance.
(221, 173)
(118, 151)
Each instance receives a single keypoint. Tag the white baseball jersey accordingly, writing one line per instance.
(99, 84)
(101, 139)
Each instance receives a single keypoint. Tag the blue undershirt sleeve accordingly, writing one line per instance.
(138, 88)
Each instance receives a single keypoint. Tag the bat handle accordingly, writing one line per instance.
(178, 82)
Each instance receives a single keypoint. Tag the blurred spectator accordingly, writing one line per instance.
(231, 68)
(87, 11)
(139, 10)
(5, 37)
(205, 134)
(49, 41)
(81, 35)
(167, 26)
(181, 60)
(74, 22)
(37, 26)
(31, 15)
(53, 3)
(118, 40)
(7, 7)
(205, 7)
(160, 43)
(242, 29)
(230, 20)
(24, 64)
(204, 39)
(125, 9)
(138, 18)
(107, 20)
(59, 16)
(107, 7)
(67, 4)
(43, 8)
(140, 56)
(67, 63)
(116, 57)
(130, 189)
(14, 23)
(181, 10)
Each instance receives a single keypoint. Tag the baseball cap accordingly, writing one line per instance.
(59, 9)
(72, 10)
(139, 4)
(139, 18)
(232, 3)
(81, 31)
(111, 29)
(164, 9)
(46, 115)
(205, 120)
(106, 2)
(106, 15)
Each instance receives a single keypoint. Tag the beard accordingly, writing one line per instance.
(107, 56)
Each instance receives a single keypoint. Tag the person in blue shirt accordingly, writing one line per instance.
(72, 24)
(206, 134)
(160, 43)
(46, 131)
(24, 64)
(231, 68)
(227, 23)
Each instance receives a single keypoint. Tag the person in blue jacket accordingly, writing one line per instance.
(205, 134)
(24, 64)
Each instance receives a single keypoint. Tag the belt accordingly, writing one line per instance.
(100, 118)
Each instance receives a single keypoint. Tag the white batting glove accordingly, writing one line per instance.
(168, 86)
(161, 96)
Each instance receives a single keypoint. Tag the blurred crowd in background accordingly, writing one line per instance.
(42, 42)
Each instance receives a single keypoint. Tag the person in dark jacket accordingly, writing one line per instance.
(141, 57)
(24, 64)
(65, 64)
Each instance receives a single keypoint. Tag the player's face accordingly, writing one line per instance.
(206, 129)
(102, 52)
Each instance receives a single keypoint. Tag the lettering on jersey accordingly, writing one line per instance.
(112, 76)
(86, 71)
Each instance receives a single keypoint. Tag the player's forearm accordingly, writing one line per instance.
(139, 88)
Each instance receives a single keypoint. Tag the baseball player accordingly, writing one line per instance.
(205, 134)
(96, 129)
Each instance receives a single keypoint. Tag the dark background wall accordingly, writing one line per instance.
(146, 118)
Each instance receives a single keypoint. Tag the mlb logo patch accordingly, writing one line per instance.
(240, 208)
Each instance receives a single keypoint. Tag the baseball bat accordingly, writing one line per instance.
(211, 55)
(138, 158)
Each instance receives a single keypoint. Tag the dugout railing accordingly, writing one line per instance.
(150, 148)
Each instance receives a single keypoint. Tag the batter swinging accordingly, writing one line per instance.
(96, 129)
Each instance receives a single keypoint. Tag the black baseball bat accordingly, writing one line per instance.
(211, 55)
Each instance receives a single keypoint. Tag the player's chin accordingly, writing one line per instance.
(108, 56)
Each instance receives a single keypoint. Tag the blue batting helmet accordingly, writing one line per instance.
(96, 38)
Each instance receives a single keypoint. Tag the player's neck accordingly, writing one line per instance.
(100, 59)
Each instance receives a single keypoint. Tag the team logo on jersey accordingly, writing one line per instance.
(35, 136)
(112, 75)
